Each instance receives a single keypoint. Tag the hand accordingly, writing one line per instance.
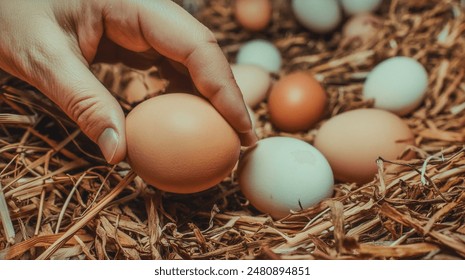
(51, 43)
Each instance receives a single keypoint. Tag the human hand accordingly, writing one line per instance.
(50, 44)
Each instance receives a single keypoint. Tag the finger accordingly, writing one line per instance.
(197, 50)
(62, 75)
(176, 34)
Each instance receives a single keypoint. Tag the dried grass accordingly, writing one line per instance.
(63, 202)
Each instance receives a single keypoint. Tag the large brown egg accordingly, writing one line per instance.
(353, 141)
(296, 102)
(253, 15)
(179, 143)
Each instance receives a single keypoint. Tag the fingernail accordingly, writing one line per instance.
(108, 143)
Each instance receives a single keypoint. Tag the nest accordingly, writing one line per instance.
(59, 200)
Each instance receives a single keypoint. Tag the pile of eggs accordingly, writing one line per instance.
(192, 148)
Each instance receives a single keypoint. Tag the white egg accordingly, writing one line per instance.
(253, 82)
(260, 53)
(397, 84)
(352, 7)
(281, 174)
(319, 16)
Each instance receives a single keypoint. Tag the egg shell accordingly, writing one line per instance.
(254, 15)
(296, 102)
(320, 16)
(253, 81)
(260, 53)
(353, 141)
(361, 26)
(397, 84)
(353, 7)
(179, 143)
(281, 174)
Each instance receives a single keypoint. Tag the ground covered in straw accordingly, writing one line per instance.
(64, 202)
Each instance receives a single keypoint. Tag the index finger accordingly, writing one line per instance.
(174, 33)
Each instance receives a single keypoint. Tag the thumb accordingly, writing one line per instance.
(66, 79)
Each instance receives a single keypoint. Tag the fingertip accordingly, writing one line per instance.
(112, 145)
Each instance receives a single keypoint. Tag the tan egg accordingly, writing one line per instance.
(253, 81)
(296, 102)
(353, 141)
(179, 143)
(254, 15)
(361, 26)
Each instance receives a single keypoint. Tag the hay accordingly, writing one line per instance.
(64, 202)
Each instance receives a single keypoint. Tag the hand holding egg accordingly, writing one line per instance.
(134, 32)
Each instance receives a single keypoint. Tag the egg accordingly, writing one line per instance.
(353, 141)
(362, 26)
(253, 82)
(254, 15)
(296, 102)
(260, 53)
(320, 16)
(281, 174)
(352, 7)
(179, 143)
(397, 84)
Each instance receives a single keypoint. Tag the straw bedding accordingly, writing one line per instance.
(64, 202)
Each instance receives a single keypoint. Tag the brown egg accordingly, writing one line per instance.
(362, 27)
(253, 15)
(179, 143)
(353, 141)
(296, 102)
